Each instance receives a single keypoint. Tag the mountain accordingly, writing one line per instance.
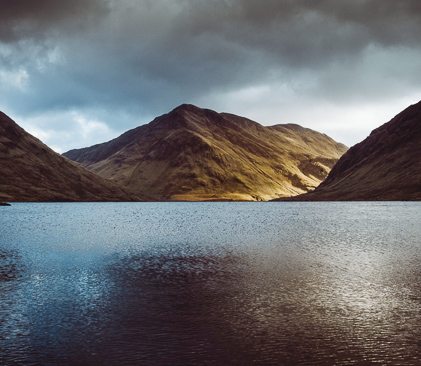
(385, 166)
(199, 154)
(31, 171)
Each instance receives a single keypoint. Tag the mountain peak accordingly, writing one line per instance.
(187, 108)
(187, 116)
(192, 153)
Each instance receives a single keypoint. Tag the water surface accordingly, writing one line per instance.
(210, 283)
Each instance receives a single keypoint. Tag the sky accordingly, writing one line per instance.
(79, 72)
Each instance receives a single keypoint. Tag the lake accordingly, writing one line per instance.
(285, 283)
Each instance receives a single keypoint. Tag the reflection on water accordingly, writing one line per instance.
(210, 283)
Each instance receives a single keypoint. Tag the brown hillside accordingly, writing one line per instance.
(31, 171)
(198, 154)
(385, 166)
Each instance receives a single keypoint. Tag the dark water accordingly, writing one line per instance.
(210, 284)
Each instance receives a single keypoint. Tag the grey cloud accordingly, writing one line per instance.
(202, 43)
(309, 31)
(143, 57)
(34, 18)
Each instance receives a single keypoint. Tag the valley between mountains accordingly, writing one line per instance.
(195, 154)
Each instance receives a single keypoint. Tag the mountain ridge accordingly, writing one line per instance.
(384, 166)
(192, 153)
(31, 171)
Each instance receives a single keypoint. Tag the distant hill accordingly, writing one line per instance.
(31, 171)
(385, 166)
(199, 154)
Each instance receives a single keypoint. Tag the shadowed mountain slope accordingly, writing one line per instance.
(31, 171)
(385, 166)
(198, 154)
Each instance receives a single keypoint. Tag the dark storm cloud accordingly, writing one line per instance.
(33, 18)
(311, 32)
(143, 57)
(191, 46)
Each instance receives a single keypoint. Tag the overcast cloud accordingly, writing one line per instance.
(80, 72)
